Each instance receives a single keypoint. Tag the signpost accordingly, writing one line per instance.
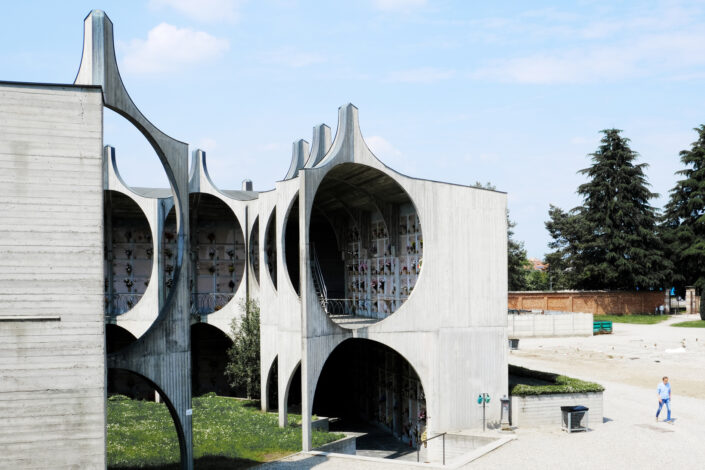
(483, 399)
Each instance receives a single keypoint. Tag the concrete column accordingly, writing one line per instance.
(690, 300)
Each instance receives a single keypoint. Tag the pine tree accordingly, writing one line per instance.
(610, 241)
(684, 219)
(243, 369)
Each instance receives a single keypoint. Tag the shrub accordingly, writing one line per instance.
(554, 383)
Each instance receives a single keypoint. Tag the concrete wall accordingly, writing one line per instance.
(346, 445)
(52, 354)
(595, 302)
(528, 325)
(545, 410)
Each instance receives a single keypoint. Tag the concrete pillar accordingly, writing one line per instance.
(690, 300)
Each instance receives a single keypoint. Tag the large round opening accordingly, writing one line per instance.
(128, 253)
(370, 388)
(366, 245)
(217, 253)
(120, 381)
(270, 247)
(209, 359)
(291, 245)
(254, 249)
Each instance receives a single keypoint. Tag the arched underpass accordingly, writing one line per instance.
(209, 358)
(368, 387)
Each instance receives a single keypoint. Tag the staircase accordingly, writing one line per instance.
(319, 283)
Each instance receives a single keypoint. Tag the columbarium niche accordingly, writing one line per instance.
(366, 244)
(367, 385)
(217, 253)
(129, 253)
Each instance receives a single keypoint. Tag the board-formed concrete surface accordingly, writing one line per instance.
(52, 347)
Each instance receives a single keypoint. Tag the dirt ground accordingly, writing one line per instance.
(636, 355)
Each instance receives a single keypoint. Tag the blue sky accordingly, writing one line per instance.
(513, 93)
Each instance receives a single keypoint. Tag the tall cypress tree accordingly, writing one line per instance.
(684, 219)
(610, 241)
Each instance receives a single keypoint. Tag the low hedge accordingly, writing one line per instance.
(555, 383)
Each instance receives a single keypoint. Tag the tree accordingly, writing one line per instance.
(684, 218)
(610, 241)
(517, 263)
(243, 369)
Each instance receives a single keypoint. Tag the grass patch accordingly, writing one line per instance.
(227, 433)
(526, 382)
(635, 319)
(691, 324)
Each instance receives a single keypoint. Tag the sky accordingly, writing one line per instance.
(511, 93)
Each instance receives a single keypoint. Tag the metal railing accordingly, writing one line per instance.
(204, 303)
(117, 304)
(418, 448)
(359, 307)
(318, 281)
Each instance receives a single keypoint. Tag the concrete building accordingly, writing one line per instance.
(383, 297)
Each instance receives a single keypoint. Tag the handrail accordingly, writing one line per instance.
(203, 303)
(424, 441)
(119, 303)
(318, 275)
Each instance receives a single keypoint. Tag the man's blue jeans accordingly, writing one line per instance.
(667, 402)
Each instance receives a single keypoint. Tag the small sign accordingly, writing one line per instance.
(189, 412)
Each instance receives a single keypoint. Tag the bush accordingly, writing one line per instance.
(553, 383)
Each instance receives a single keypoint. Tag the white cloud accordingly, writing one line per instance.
(204, 10)
(382, 148)
(656, 55)
(420, 75)
(398, 5)
(169, 48)
(291, 58)
(208, 144)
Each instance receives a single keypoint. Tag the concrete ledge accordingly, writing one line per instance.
(346, 445)
(489, 441)
(529, 325)
(545, 410)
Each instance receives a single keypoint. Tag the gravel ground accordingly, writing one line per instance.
(629, 363)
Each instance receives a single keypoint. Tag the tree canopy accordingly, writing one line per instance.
(610, 241)
(683, 223)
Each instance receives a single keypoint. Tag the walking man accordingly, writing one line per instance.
(664, 398)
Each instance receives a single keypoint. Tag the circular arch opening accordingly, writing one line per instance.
(218, 255)
(371, 387)
(209, 359)
(120, 381)
(366, 245)
(270, 247)
(128, 253)
(254, 249)
(291, 245)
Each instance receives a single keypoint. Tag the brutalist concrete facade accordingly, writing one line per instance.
(344, 251)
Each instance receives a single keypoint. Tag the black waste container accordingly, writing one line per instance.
(573, 418)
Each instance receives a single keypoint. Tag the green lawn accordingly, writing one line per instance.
(527, 382)
(638, 319)
(227, 433)
(691, 324)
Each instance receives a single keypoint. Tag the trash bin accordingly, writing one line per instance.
(575, 418)
(514, 343)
